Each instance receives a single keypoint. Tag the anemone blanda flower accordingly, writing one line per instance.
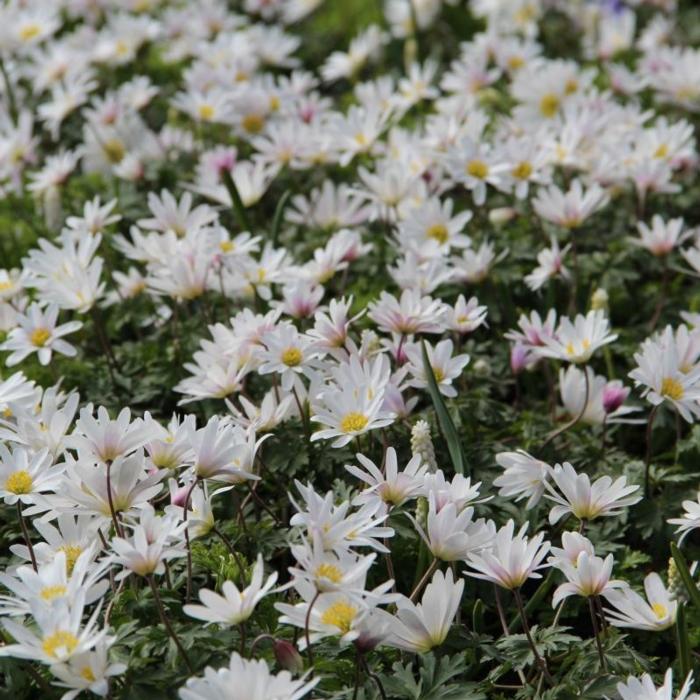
(575, 494)
(38, 332)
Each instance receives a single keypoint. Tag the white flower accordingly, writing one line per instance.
(451, 535)
(512, 559)
(576, 342)
(664, 375)
(589, 576)
(644, 689)
(234, 606)
(584, 500)
(154, 541)
(550, 263)
(23, 474)
(636, 613)
(392, 487)
(689, 521)
(39, 333)
(246, 679)
(569, 209)
(419, 628)
(444, 366)
(662, 237)
(524, 476)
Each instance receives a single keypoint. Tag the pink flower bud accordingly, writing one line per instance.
(614, 395)
(287, 656)
(519, 358)
(177, 498)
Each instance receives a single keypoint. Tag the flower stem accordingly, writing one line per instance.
(117, 526)
(185, 506)
(421, 584)
(526, 628)
(596, 632)
(168, 626)
(25, 534)
(647, 458)
(575, 419)
(307, 619)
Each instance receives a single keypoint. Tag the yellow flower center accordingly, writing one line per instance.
(114, 150)
(253, 123)
(522, 171)
(439, 233)
(205, 112)
(549, 105)
(661, 151)
(571, 86)
(515, 62)
(39, 337)
(274, 103)
(5, 285)
(19, 483)
(329, 571)
(226, 246)
(660, 610)
(439, 374)
(72, 552)
(671, 388)
(340, 615)
(29, 31)
(292, 357)
(353, 422)
(60, 643)
(87, 674)
(477, 169)
(52, 592)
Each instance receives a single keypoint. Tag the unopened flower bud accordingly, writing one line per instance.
(614, 395)
(482, 368)
(502, 215)
(287, 656)
(599, 300)
(422, 444)
(519, 358)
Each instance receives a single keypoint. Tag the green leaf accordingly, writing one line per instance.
(684, 573)
(277, 220)
(682, 641)
(238, 206)
(446, 425)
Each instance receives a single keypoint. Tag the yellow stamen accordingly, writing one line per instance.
(477, 169)
(29, 31)
(60, 643)
(114, 150)
(329, 571)
(439, 233)
(340, 615)
(660, 610)
(206, 112)
(52, 592)
(19, 483)
(671, 388)
(549, 105)
(253, 123)
(292, 357)
(522, 171)
(353, 422)
(39, 337)
(72, 552)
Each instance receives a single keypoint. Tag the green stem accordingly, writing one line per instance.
(238, 206)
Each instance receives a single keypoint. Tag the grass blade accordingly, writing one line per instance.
(684, 573)
(446, 425)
